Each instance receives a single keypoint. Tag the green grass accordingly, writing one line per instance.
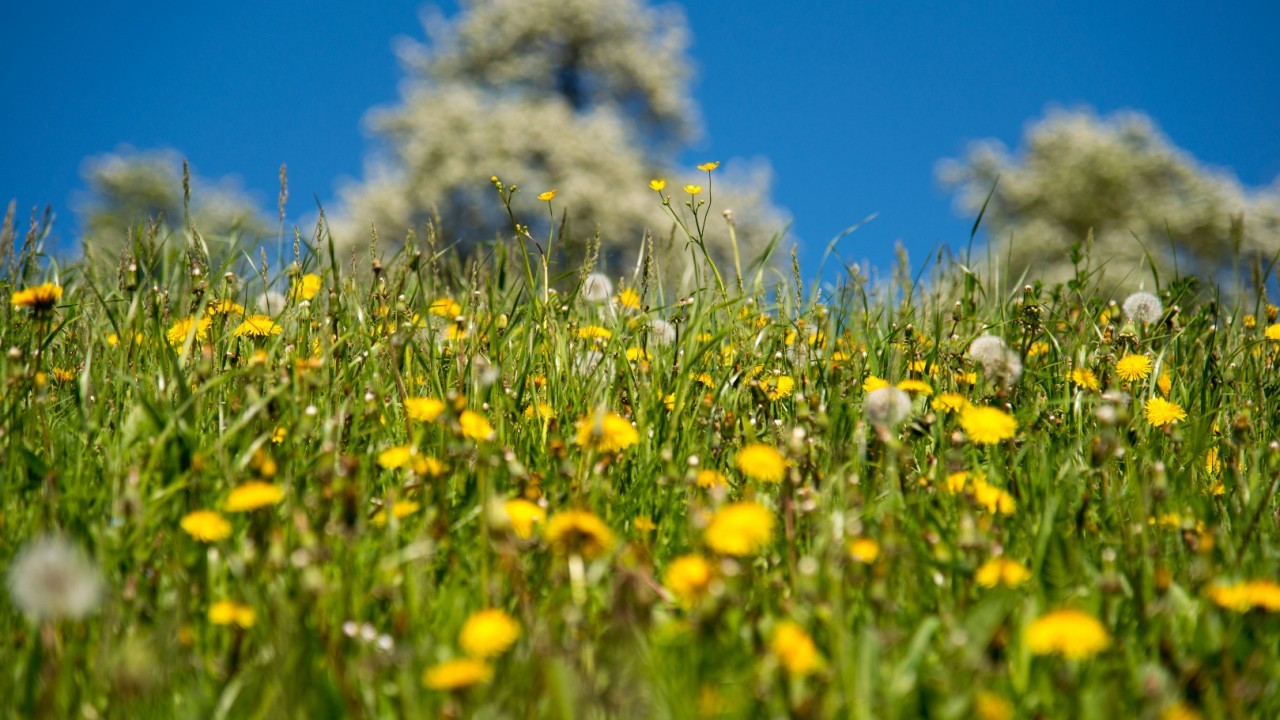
(113, 444)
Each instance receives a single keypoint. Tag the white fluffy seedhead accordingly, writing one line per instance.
(887, 407)
(1143, 307)
(596, 288)
(53, 578)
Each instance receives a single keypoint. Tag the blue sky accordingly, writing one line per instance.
(853, 103)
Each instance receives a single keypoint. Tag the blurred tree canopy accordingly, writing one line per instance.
(129, 188)
(1120, 177)
(590, 97)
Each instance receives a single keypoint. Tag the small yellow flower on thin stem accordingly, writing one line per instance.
(658, 184)
(709, 166)
(693, 189)
(547, 196)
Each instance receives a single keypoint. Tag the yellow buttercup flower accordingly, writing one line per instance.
(488, 633)
(795, 649)
(762, 463)
(693, 189)
(252, 496)
(1161, 412)
(206, 526)
(658, 184)
(709, 166)
(457, 674)
(1072, 634)
(740, 528)
(987, 425)
(547, 196)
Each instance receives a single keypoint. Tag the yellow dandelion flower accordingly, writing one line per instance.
(251, 496)
(423, 409)
(1245, 596)
(1273, 332)
(225, 307)
(394, 458)
(523, 516)
(916, 387)
(1072, 634)
(257, 326)
(762, 463)
(1164, 383)
(873, 383)
(607, 433)
(178, 333)
(987, 425)
(475, 426)
(305, 288)
(709, 166)
(1161, 412)
(949, 402)
(1250, 322)
(227, 612)
(206, 526)
(1212, 462)
(693, 189)
(1002, 571)
(445, 307)
(669, 402)
(629, 299)
(39, 298)
(955, 482)
(795, 649)
(63, 375)
(547, 196)
(778, 388)
(658, 184)
(740, 528)
(688, 577)
(426, 466)
(1134, 367)
(708, 479)
(990, 706)
(1037, 349)
(540, 410)
(400, 510)
(594, 332)
(1084, 378)
(579, 531)
(993, 498)
(635, 354)
(457, 674)
(488, 633)
(864, 550)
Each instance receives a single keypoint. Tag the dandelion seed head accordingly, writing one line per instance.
(597, 288)
(271, 302)
(1143, 307)
(52, 578)
(887, 407)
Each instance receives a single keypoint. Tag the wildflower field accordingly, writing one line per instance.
(401, 485)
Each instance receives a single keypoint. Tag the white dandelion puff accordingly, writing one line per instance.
(887, 407)
(52, 578)
(1143, 307)
(596, 288)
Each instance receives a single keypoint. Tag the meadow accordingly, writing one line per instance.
(398, 484)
